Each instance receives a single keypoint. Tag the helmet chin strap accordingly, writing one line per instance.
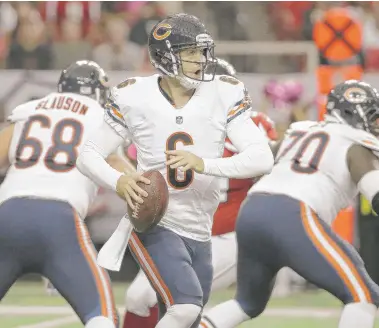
(187, 83)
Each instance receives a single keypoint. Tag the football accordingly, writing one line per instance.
(148, 214)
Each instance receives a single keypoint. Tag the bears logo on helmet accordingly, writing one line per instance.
(162, 31)
(355, 95)
(355, 103)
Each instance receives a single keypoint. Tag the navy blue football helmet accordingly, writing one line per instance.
(86, 78)
(177, 33)
(355, 103)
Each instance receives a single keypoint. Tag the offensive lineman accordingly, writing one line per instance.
(178, 122)
(285, 220)
(141, 309)
(44, 198)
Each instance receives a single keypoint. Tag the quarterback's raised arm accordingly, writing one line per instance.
(364, 170)
(254, 158)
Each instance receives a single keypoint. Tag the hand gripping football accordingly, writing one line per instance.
(147, 215)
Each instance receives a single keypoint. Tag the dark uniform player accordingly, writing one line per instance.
(285, 220)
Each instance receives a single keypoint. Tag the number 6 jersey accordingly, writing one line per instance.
(139, 107)
(311, 166)
(47, 137)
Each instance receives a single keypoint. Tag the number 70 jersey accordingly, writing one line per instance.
(311, 166)
(47, 137)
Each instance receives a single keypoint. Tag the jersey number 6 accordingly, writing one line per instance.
(59, 145)
(172, 174)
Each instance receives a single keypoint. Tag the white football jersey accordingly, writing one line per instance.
(138, 109)
(47, 139)
(311, 166)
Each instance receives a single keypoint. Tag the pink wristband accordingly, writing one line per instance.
(132, 152)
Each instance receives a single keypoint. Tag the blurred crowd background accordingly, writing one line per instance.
(50, 35)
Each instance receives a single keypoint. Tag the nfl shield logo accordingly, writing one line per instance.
(179, 119)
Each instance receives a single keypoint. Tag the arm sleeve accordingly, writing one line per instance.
(22, 113)
(254, 158)
(114, 115)
(363, 165)
(368, 186)
(91, 161)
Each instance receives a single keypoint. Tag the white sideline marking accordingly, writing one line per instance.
(52, 323)
(72, 318)
(66, 310)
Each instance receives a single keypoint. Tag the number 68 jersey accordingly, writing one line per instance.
(311, 166)
(47, 137)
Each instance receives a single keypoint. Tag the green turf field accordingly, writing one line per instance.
(27, 306)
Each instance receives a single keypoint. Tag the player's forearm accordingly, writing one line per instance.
(93, 165)
(92, 160)
(363, 166)
(120, 164)
(5, 138)
(255, 160)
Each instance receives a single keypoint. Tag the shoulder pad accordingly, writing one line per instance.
(131, 88)
(364, 139)
(301, 125)
(126, 95)
(229, 79)
(23, 111)
(125, 83)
